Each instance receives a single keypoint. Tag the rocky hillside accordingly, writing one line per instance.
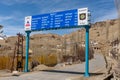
(103, 36)
(101, 32)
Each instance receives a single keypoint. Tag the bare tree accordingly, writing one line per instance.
(1, 26)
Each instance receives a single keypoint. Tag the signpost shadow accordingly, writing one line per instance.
(71, 72)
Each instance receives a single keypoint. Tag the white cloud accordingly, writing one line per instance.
(7, 2)
(59, 31)
(13, 30)
(13, 17)
(109, 15)
(4, 18)
(12, 2)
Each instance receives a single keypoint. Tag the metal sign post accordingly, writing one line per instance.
(87, 52)
(27, 50)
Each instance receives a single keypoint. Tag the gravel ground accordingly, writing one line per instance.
(63, 73)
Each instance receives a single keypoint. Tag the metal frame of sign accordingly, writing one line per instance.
(75, 18)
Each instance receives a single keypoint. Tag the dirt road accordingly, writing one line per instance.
(63, 73)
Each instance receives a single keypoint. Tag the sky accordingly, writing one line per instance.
(13, 12)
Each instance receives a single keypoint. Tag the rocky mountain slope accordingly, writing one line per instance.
(104, 37)
(102, 34)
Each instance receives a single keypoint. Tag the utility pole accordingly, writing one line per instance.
(117, 3)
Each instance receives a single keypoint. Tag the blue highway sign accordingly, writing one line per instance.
(57, 20)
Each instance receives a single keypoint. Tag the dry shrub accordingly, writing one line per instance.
(81, 53)
(78, 53)
(51, 59)
(112, 22)
(5, 62)
(47, 59)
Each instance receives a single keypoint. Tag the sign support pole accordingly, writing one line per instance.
(27, 50)
(87, 52)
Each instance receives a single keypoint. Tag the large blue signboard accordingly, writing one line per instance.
(57, 20)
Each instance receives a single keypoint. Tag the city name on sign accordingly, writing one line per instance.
(57, 20)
